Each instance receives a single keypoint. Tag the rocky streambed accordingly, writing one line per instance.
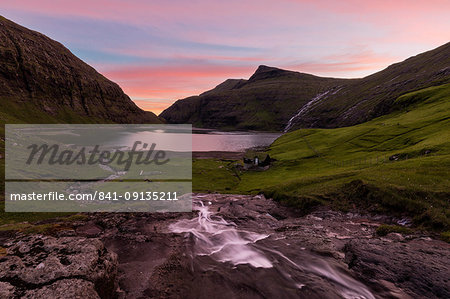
(230, 246)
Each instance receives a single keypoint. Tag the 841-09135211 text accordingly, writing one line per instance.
(97, 195)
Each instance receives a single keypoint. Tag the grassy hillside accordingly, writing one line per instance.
(398, 163)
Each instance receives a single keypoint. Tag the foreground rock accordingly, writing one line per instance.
(39, 266)
(420, 266)
(321, 252)
(325, 254)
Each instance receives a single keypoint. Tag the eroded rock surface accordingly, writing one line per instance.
(38, 266)
(420, 266)
(324, 254)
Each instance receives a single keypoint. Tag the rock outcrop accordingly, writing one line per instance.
(38, 266)
(417, 265)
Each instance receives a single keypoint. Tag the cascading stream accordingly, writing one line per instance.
(221, 240)
(308, 106)
(224, 242)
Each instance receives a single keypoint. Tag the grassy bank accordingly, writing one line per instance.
(398, 164)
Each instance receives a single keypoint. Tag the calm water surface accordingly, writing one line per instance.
(170, 138)
(203, 141)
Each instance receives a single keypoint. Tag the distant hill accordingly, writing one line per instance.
(265, 101)
(275, 99)
(42, 81)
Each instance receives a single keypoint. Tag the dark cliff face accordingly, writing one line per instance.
(271, 97)
(40, 76)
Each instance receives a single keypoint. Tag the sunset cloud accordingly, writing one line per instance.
(159, 51)
(172, 82)
(356, 61)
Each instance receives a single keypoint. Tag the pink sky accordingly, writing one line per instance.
(160, 51)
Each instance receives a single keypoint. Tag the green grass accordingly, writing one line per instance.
(446, 236)
(12, 112)
(349, 167)
(385, 229)
(214, 175)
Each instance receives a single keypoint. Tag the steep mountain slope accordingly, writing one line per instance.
(42, 81)
(265, 101)
(374, 95)
(274, 99)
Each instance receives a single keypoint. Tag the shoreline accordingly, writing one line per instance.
(218, 155)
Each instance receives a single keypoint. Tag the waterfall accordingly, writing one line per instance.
(221, 240)
(314, 101)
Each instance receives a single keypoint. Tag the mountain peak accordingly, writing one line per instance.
(265, 68)
(266, 72)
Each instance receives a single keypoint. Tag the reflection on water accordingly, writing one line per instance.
(230, 141)
(202, 140)
(167, 137)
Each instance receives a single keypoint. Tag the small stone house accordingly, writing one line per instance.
(256, 160)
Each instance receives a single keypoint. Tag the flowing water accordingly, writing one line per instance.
(264, 260)
(309, 105)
